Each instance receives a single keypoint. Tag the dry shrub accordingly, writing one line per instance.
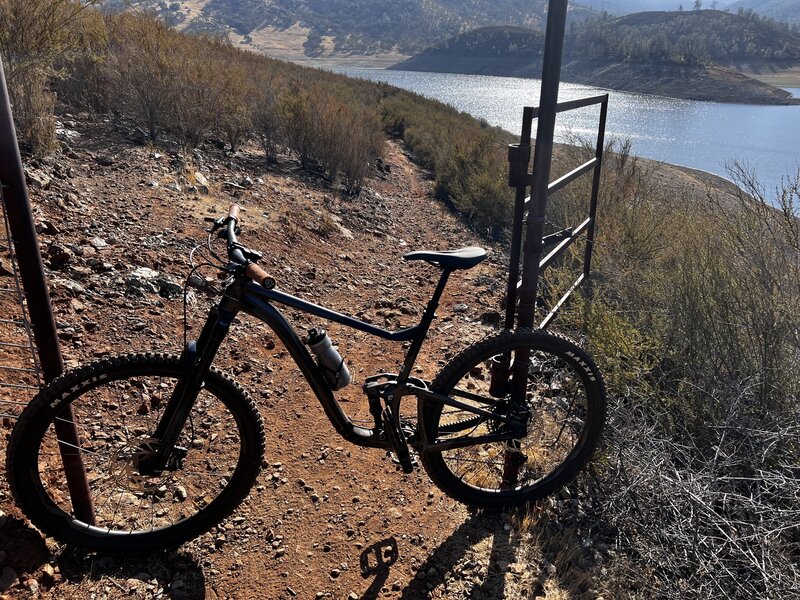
(34, 36)
(142, 51)
(694, 323)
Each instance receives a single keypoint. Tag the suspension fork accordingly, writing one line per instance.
(195, 361)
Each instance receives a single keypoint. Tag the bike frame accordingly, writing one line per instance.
(243, 295)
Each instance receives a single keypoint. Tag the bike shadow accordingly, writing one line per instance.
(494, 556)
(471, 563)
(481, 540)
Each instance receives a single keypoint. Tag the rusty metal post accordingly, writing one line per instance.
(542, 159)
(23, 231)
(542, 162)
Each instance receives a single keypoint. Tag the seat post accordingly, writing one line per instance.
(425, 324)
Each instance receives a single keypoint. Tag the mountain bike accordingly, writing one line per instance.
(171, 445)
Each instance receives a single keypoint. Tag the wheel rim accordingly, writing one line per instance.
(115, 420)
(557, 402)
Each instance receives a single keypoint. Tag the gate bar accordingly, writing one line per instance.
(601, 142)
(26, 245)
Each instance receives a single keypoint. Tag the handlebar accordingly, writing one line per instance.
(242, 256)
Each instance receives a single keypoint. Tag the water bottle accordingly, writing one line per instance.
(330, 362)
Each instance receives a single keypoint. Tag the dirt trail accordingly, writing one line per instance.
(327, 519)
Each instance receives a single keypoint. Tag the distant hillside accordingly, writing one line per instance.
(783, 10)
(348, 26)
(624, 7)
(679, 54)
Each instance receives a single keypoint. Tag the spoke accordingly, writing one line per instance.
(78, 448)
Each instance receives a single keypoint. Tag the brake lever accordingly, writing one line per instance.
(217, 223)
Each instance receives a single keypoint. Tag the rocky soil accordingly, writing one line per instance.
(327, 519)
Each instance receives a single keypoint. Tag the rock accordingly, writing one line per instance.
(33, 586)
(197, 281)
(64, 134)
(104, 160)
(168, 288)
(47, 227)
(141, 281)
(98, 243)
(48, 576)
(201, 183)
(144, 280)
(335, 573)
(37, 179)
(57, 284)
(59, 256)
(180, 493)
(460, 308)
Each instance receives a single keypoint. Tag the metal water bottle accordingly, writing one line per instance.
(328, 358)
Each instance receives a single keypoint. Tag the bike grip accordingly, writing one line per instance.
(260, 276)
(234, 211)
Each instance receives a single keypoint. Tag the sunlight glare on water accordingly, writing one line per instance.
(701, 135)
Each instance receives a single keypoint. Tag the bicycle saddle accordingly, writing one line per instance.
(465, 258)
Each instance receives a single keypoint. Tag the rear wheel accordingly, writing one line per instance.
(116, 405)
(564, 404)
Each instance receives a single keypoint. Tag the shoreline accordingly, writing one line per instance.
(721, 85)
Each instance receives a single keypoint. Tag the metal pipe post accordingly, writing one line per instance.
(520, 181)
(513, 458)
(23, 231)
(587, 259)
(543, 156)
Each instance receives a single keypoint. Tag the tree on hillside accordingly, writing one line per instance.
(144, 54)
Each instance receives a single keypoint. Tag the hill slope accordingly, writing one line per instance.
(783, 10)
(682, 54)
(325, 27)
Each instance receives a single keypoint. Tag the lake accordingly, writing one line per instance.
(701, 135)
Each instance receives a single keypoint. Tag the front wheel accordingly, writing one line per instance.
(116, 404)
(564, 407)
